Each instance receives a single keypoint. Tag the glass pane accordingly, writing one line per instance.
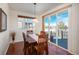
(46, 23)
(53, 20)
(62, 25)
(20, 25)
(25, 23)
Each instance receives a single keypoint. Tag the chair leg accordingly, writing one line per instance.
(46, 50)
(24, 50)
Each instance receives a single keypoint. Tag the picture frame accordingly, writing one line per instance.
(3, 21)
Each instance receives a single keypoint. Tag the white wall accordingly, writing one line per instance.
(4, 36)
(13, 24)
(73, 41)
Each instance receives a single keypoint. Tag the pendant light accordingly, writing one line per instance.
(35, 19)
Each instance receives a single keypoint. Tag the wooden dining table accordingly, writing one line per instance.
(32, 39)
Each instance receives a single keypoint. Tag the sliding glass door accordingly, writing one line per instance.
(56, 26)
(62, 27)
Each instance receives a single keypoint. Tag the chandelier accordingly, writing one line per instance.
(35, 19)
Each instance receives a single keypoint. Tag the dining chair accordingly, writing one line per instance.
(26, 45)
(42, 47)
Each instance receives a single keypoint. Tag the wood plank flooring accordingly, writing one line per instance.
(17, 49)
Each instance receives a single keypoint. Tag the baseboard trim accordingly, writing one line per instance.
(7, 48)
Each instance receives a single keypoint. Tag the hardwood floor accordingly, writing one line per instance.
(17, 49)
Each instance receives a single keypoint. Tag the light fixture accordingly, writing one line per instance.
(35, 19)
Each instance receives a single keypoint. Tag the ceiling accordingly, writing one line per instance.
(29, 7)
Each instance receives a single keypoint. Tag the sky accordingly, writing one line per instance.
(60, 16)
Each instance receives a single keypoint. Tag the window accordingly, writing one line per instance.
(63, 24)
(25, 23)
(56, 26)
(46, 22)
(19, 24)
(53, 20)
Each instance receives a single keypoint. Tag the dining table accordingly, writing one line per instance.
(32, 39)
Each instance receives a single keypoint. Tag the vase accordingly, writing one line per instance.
(13, 37)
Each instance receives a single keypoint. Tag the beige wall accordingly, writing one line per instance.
(4, 36)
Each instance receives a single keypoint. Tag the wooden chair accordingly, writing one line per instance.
(42, 46)
(26, 45)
